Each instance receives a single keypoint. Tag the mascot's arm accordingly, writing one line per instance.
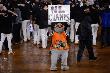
(67, 41)
(54, 41)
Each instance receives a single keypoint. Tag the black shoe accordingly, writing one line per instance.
(93, 59)
(77, 62)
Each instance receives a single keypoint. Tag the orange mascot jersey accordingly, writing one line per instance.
(59, 37)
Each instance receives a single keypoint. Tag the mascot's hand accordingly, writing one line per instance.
(63, 44)
(60, 44)
(57, 46)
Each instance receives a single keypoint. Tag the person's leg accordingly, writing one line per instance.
(3, 36)
(101, 38)
(0, 36)
(90, 49)
(46, 39)
(43, 37)
(109, 36)
(72, 30)
(54, 58)
(64, 57)
(94, 32)
(94, 38)
(38, 36)
(16, 32)
(9, 38)
(24, 24)
(35, 37)
(76, 36)
(81, 49)
(105, 37)
(28, 32)
(35, 34)
(5, 44)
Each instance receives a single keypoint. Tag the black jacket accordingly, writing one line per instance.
(43, 19)
(85, 30)
(76, 13)
(36, 12)
(6, 22)
(25, 11)
(95, 16)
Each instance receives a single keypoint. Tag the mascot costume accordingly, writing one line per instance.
(59, 47)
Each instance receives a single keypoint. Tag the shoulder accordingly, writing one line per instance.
(55, 33)
(64, 34)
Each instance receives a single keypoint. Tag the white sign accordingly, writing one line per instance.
(58, 13)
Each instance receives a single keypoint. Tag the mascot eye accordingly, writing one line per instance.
(59, 25)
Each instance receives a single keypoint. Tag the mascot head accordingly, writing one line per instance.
(59, 27)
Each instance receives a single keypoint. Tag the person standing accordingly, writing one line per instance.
(25, 13)
(85, 36)
(94, 25)
(17, 26)
(44, 26)
(105, 24)
(6, 19)
(36, 21)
